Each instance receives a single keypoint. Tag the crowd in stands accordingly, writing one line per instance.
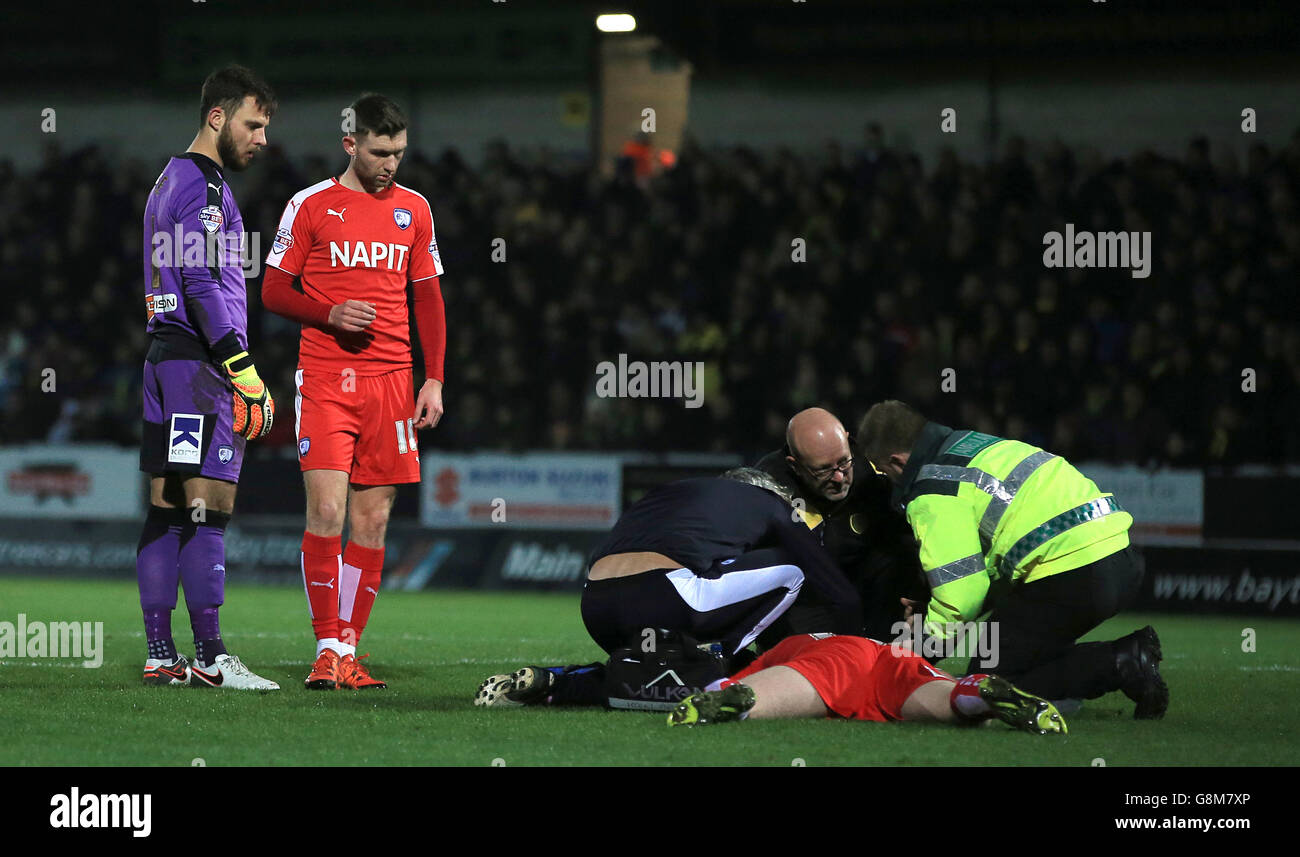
(838, 277)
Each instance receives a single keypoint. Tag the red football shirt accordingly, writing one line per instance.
(350, 245)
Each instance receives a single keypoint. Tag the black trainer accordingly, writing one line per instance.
(531, 685)
(524, 686)
(1137, 658)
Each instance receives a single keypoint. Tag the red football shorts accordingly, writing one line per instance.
(360, 425)
(857, 678)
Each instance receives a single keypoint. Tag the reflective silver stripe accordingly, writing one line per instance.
(965, 567)
(998, 505)
(1041, 535)
(1002, 491)
(986, 482)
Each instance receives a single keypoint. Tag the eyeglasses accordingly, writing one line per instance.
(843, 466)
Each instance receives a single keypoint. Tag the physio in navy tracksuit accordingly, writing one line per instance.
(717, 558)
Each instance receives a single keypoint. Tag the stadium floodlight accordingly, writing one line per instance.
(621, 23)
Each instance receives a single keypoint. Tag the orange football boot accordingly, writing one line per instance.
(325, 672)
(354, 675)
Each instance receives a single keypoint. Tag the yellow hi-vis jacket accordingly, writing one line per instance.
(989, 514)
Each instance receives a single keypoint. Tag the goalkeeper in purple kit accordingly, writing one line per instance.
(203, 398)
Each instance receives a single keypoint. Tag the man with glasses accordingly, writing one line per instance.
(847, 505)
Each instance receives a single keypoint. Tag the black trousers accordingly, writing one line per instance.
(1039, 622)
(731, 603)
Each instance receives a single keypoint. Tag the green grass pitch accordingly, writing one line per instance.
(1229, 707)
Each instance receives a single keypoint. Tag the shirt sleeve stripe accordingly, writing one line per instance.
(956, 570)
(283, 268)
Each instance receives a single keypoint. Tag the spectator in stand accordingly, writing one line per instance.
(912, 267)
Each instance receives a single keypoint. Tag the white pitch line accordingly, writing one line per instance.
(1277, 668)
(52, 663)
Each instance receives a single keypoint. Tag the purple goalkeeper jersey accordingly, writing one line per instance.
(193, 243)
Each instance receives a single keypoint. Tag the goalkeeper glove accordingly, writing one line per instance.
(253, 406)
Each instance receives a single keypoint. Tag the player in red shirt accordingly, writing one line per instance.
(824, 675)
(355, 243)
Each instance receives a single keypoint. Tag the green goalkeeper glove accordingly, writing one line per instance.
(254, 408)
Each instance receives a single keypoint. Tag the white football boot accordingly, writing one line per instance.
(229, 672)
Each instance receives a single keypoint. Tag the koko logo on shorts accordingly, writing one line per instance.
(186, 444)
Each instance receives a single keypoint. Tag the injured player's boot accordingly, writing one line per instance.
(1018, 709)
(713, 706)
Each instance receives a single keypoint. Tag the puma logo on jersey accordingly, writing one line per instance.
(318, 583)
(373, 254)
(371, 591)
(338, 214)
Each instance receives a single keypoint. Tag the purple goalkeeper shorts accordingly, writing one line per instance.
(188, 421)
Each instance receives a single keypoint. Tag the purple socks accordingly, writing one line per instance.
(175, 549)
(157, 575)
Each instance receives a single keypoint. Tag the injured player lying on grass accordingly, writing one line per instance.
(824, 675)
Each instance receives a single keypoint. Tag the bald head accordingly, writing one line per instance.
(818, 442)
(815, 431)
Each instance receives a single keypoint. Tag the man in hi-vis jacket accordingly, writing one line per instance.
(1017, 536)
